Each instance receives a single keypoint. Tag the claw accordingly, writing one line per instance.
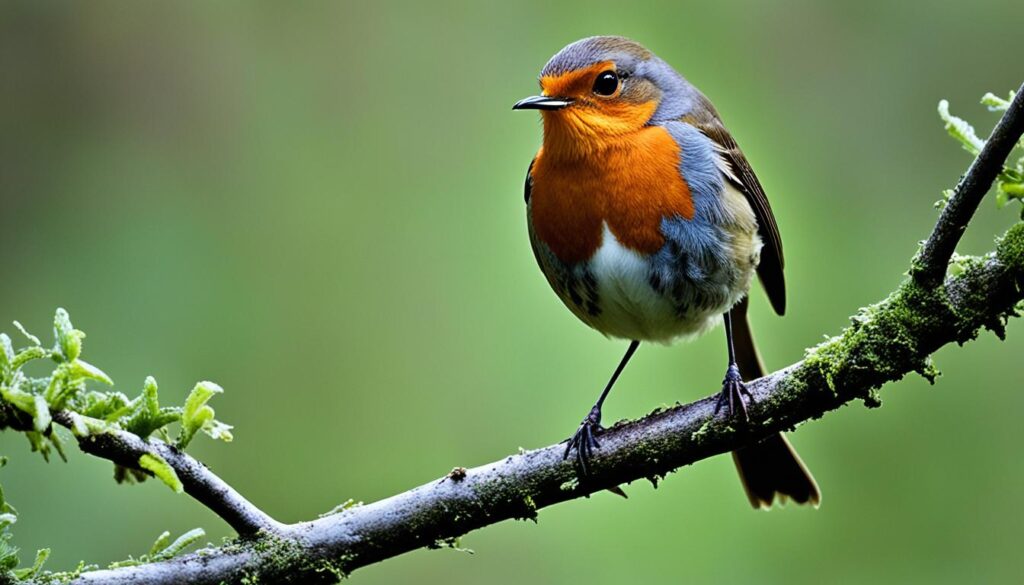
(584, 440)
(734, 391)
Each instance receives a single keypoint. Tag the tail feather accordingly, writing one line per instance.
(770, 467)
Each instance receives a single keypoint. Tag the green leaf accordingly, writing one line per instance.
(18, 398)
(163, 549)
(7, 508)
(63, 386)
(68, 338)
(1010, 181)
(41, 556)
(995, 103)
(21, 328)
(162, 470)
(160, 544)
(198, 415)
(180, 544)
(8, 515)
(219, 431)
(124, 474)
(107, 406)
(41, 417)
(37, 441)
(150, 404)
(146, 416)
(8, 554)
(86, 371)
(960, 129)
(58, 445)
(1012, 190)
(31, 404)
(6, 353)
(6, 519)
(27, 355)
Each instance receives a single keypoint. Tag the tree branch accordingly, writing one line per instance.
(884, 342)
(517, 486)
(930, 264)
(124, 448)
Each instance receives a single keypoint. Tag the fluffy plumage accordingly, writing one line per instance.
(649, 223)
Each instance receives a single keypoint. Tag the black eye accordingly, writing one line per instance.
(606, 83)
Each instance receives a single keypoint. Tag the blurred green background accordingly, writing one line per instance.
(319, 206)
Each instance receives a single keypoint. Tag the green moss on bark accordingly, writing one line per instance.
(1010, 248)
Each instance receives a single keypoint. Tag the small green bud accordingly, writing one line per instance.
(198, 415)
(69, 338)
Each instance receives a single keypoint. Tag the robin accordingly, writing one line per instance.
(649, 224)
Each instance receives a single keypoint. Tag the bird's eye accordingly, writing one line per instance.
(606, 83)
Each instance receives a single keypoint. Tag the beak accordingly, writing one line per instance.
(541, 102)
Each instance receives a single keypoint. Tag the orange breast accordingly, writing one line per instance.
(630, 184)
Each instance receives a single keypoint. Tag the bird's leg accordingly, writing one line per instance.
(585, 438)
(733, 389)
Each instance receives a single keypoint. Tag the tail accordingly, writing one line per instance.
(771, 466)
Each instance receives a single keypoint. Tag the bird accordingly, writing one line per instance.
(648, 222)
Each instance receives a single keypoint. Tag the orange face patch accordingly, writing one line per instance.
(574, 83)
(577, 132)
(631, 184)
(591, 122)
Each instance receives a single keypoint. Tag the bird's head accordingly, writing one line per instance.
(599, 89)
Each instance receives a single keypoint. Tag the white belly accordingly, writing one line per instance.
(630, 307)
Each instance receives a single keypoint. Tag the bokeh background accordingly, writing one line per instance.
(319, 206)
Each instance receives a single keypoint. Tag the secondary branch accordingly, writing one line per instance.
(124, 448)
(930, 264)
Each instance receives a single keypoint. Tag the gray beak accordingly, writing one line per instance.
(541, 102)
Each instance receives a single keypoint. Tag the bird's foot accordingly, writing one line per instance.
(584, 440)
(734, 392)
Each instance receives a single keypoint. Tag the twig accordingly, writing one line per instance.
(930, 263)
(198, 481)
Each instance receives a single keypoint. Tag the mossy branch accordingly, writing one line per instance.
(937, 304)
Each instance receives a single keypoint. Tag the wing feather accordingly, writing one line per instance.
(705, 118)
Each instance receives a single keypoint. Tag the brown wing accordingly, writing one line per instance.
(528, 188)
(705, 118)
